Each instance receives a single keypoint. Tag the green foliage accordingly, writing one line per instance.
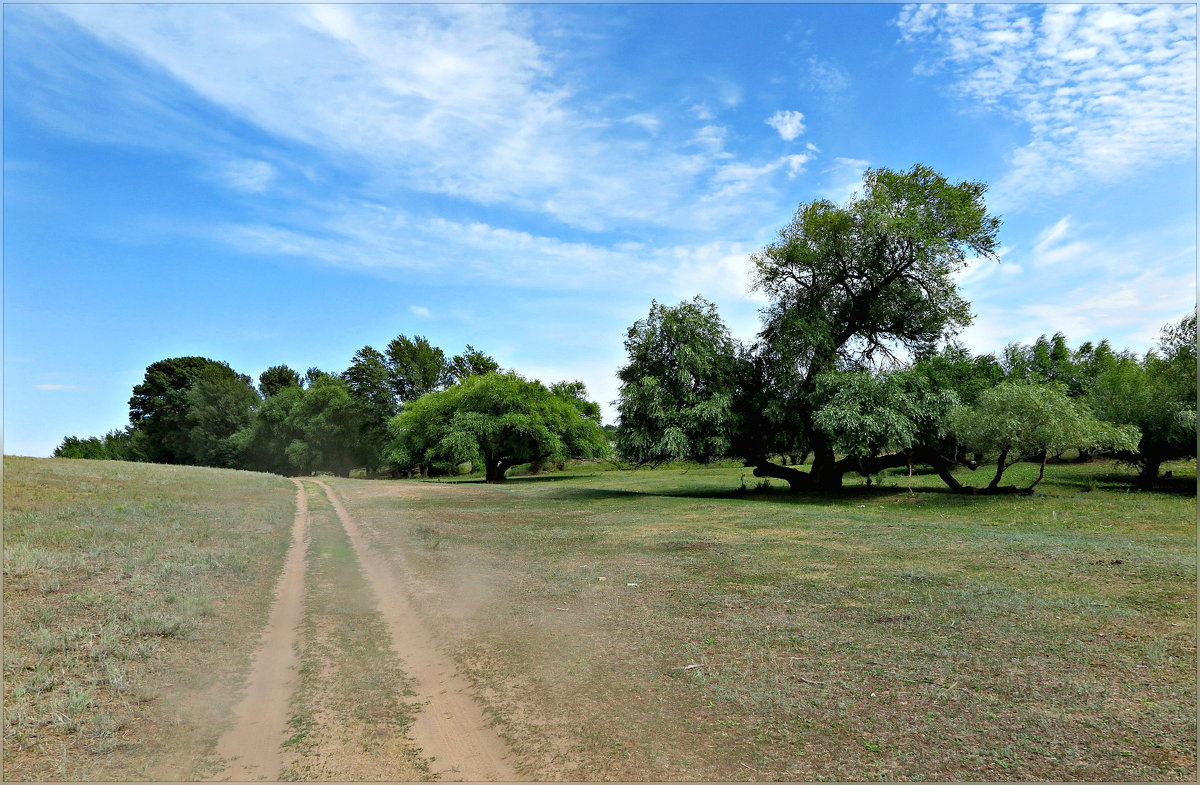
(272, 431)
(1022, 420)
(219, 406)
(866, 414)
(74, 447)
(575, 393)
(677, 390)
(416, 367)
(276, 379)
(326, 422)
(499, 420)
(159, 406)
(471, 362)
(370, 387)
(1157, 396)
(955, 369)
(849, 283)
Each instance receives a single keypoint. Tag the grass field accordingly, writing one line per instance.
(649, 625)
(879, 634)
(133, 598)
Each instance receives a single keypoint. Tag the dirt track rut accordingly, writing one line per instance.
(450, 729)
(252, 745)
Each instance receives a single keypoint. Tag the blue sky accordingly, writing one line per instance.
(286, 184)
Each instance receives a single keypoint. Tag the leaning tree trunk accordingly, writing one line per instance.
(796, 479)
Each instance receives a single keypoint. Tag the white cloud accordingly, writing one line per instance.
(55, 387)
(1105, 90)
(1053, 246)
(795, 163)
(729, 93)
(824, 75)
(789, 123)
(420, 310)
(714, 270)
(645, 120)
(844, 179)
(1126, 307)
(247, 175)
(457, 100)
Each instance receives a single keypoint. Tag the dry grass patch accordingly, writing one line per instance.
(133, 597)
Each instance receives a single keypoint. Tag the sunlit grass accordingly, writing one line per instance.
(881, 633)
(133, 594)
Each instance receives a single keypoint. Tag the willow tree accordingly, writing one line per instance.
(497, 421)
(851, 286)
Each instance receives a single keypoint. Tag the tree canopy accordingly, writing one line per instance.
(850, 287)
(1157, 396)
(159, 407)
(676, 393)
(496, 420)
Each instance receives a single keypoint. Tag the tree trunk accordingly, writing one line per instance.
(1145, 479)
(493, 471)
(1041, 472)
(1000, 467)
(796, 480)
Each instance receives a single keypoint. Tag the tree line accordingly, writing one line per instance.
(408, 409)
(855, 363)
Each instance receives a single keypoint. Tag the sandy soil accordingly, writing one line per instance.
(451, 728)
(251, 746)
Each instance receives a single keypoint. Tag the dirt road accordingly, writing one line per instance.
(448, 728)
(251, 746)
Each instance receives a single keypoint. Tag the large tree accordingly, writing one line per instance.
(416, 367)
(158, 409)
(326, 423)
(676, 393)
(1157, 396)
(219, 406)
(497, 420)
(851, 287)
(1021, 420)
(370, 387)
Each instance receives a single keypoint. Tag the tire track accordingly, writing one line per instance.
(252, 746)
(450, 728)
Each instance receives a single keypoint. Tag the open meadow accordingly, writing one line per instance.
(619, 625)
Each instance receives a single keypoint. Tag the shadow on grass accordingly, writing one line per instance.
(850, 494)
(517, 480)
(776, 495)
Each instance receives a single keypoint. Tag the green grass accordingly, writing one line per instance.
(133, 595)
(880, 633)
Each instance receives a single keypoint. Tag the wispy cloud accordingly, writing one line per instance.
(456, 100)
(1054, 246)
(825, 76)
(1104, 89)
(844, 178)
(247, 175)
(420, 310)
(57, 387)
